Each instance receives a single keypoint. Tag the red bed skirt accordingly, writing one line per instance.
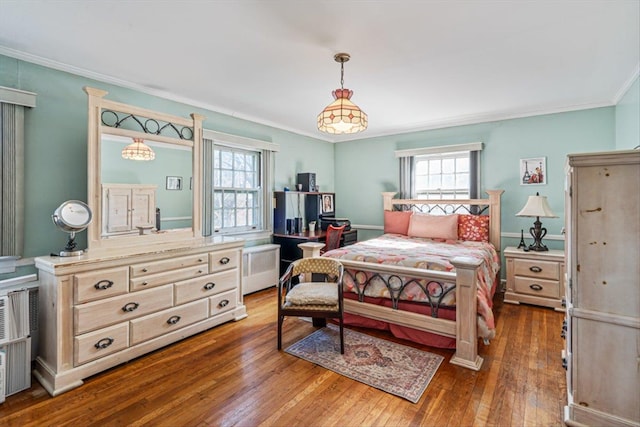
(404, 332)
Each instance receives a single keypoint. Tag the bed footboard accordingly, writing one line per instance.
(463, 329)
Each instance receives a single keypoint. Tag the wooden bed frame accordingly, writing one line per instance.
(464, 328)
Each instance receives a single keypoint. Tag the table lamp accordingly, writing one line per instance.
(537, 206)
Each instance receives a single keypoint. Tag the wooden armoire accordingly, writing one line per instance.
(602, 353)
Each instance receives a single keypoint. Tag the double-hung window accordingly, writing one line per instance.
(437, 173)
(238, 175)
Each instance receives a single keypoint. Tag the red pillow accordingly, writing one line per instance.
(474, 228)
(397, 222)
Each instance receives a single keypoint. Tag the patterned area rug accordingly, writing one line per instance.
(394, 368)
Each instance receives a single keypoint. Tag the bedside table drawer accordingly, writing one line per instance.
(535, 268)
(537, 287)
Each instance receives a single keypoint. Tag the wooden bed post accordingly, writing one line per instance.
(466, 313)
(386, 200)
(494, 217)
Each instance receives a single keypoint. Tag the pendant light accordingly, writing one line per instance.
(342, 115)
(138, 150)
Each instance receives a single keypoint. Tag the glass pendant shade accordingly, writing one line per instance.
(342, 115)
(138, 150)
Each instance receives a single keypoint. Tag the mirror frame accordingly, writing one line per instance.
(175, 238)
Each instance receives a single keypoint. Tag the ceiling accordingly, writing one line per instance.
(414, 64)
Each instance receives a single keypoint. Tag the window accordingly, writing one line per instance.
(448, 172)
(238, 176)
(236, 190)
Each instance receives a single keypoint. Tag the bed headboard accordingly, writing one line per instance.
(490, 206)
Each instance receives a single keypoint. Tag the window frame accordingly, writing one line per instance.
(212, 140)
(408, 159)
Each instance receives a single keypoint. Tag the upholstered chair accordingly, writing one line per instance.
(312, 287)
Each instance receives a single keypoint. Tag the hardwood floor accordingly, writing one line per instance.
(233, 375)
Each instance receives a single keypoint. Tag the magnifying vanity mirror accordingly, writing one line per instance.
(137, 202)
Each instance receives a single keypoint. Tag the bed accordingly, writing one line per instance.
(419, 281)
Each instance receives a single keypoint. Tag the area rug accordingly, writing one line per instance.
(394, 368)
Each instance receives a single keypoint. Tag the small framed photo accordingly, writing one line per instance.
(174, 183)
(327, 203)
(533, 171)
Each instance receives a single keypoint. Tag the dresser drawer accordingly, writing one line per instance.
(154, 325)
(171, 276)
(98, 314)
(224, 260)
(91, 346)
(168, 264)
(222, 302)
(100, 284)
(189, 290)
(534, 268)
(537, 287)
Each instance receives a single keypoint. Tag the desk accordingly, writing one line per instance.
(289, 250)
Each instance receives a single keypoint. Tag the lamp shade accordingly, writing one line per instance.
(342, 115)
(537, 206)
(138, 150)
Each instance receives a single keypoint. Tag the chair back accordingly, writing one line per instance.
(334, 234)
(328, 266)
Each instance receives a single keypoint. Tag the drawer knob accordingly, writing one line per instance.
(144, 283)
(535, 269)
(144, 270)
(224, 303)
(129, 307)
(224, 260)
(209, 286)
(104, 343)
(535, 287)
(173, 320)
(103, 284)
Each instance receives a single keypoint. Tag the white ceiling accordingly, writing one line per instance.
(414, 64)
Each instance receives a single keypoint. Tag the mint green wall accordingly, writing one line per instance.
(56, 144)
(628, 118)
(360, 182)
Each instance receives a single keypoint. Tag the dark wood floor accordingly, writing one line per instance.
(233, 375)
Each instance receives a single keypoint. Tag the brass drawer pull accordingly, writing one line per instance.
(173, 320)
(223, 303)
(224, 260)
(208, 286)
(535, 269)
(129, 307)
(103, 284)
(536, 287)
(104, 343)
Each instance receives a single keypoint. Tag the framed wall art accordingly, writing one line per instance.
(174, 183)
(533, 171)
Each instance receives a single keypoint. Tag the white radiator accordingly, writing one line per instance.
(18, 323)
(260, 267)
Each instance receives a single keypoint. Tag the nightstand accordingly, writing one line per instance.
(535, 277)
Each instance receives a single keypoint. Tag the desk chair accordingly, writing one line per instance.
(334, 234)
(312, 287)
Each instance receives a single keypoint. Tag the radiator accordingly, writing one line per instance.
(260, 267)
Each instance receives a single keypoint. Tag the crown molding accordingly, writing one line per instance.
(627, 85)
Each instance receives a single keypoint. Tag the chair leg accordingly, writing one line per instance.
(341, 336)
(280, 319)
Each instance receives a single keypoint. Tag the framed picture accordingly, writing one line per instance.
(174, 183)
(533, 171)
(327, 203)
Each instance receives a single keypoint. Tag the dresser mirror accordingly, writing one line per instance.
(142, 202)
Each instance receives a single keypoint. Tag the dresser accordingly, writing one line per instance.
(602, 352)
(535, 277)
(97, 311)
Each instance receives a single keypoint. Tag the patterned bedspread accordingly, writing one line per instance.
(428, 254)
